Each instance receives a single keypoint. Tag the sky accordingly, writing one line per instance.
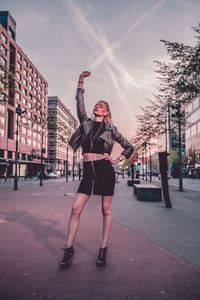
(118, 41)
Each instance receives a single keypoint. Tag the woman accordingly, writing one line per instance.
(97, 138)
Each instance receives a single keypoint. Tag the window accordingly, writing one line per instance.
(18, 96)
(23, 140)
(35, 92)
(198, 127)
(30, 96)
(195, 116)
(25, 63)
(31, 69)
(1, 151)
(30, 87)
(2, 120)
(18, 86)
(23, 129)
(29, 141)
(19, 56)
(34, 143)
(24, 81)
(44, 100)
(3, 49)
(2, 132)
(29, 132)
(10, 123)
(3, 61)
(40, 96)
(19, 66)
(36, 75)
(35, 83)
(34, 135)
(44, 84)
(40, 88)
(25, 73)
(40, 80)
(2, 108)
(30, 105)
(193, 129)
(196, 103)
(4, 38)
(18, 75)
(31, 78)
(24, 101)
(24, 91)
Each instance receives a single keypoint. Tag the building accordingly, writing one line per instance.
(22, 86)
(193, 132)
(62, 125)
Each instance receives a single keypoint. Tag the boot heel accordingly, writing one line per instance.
(101, 261)
(67, 257)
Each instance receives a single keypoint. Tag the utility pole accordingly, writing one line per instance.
(18, 112)
(41, 165)
(178, 115)
(66, 167)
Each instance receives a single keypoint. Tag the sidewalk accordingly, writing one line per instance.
(33, 222)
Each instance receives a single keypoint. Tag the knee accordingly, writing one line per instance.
(76, 211)
(107, 211)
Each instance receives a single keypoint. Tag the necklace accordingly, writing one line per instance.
(92, 139)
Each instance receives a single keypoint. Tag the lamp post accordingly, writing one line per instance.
(66, 167)
(41, 161)
(179, 115)
(18, 112)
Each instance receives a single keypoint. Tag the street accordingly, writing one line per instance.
(153, 252)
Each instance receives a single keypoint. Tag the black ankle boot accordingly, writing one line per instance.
(101, 261)
(67, 257)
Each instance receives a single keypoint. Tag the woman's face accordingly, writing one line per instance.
(100, 109)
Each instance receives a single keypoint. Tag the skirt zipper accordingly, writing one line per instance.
(95, 177)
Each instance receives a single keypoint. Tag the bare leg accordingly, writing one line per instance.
(74, 220)
(107, 218)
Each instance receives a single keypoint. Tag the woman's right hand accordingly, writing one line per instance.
(85, 74)
(81, 78)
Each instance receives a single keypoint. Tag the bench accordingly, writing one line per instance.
(132, 182)
(147, 192)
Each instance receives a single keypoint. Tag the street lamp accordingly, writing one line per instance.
(66, 167)
(179, 115)
(18, 112)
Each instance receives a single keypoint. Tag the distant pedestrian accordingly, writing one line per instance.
(117, 172)
(97, 138)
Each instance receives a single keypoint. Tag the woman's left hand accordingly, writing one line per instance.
(107, 157)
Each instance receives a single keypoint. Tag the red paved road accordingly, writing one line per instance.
(32, 228)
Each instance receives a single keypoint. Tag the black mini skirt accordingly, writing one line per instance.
(98, 178)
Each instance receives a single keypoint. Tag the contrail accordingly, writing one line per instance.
(98, 43)
(137, 23)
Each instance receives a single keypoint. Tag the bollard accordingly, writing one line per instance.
(164, 179)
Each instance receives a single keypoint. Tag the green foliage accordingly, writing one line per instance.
(173, 156)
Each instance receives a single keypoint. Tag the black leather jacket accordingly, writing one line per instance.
(110, 135)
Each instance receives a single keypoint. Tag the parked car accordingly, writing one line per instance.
(55, 174)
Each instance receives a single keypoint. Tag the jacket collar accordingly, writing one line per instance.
(105, 135)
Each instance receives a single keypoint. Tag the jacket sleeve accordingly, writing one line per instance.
(128, 148)
(81, 113)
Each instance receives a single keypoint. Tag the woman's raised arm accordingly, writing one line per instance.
(80, 98)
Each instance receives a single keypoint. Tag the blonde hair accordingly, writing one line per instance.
(108, 118)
